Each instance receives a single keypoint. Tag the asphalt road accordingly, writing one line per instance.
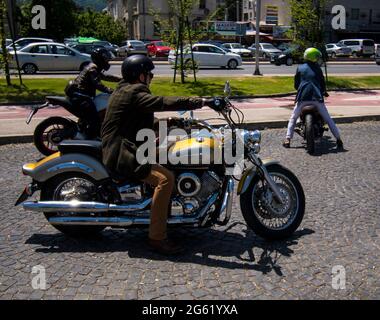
(333, 255)
(247, 69)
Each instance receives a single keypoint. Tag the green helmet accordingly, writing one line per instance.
(312, 54)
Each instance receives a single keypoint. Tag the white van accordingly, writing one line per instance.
(360, 47)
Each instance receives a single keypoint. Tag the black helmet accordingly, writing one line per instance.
(101, 57)
(135, 65)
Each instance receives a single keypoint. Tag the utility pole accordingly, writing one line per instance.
(237, 11)
(257, 38)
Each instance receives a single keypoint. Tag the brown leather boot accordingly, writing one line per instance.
(165, 247)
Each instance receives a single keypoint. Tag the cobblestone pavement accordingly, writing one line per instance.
(341, 228)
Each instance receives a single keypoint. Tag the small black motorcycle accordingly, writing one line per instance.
(311, 127)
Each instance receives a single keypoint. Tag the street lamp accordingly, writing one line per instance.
(257, 38)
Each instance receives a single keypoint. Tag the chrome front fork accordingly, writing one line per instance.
(272, 185)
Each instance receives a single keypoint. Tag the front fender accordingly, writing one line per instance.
(56, 164)
(250, 173)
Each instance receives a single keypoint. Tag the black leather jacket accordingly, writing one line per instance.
(89, 80)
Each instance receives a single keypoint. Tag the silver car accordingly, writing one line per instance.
(23, 42)
(338, 50)
(131, 47)
(49, 56)
(266, 50)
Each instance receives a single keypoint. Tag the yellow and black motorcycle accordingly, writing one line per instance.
(79, 196)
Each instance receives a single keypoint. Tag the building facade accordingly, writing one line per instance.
(273, 13)
(362, 20)
(142, 17)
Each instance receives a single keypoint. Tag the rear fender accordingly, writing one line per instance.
(249, 174)
(57, 164)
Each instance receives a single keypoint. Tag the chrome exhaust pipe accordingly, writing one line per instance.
(116, 221)
(83, 207)
(126, 221)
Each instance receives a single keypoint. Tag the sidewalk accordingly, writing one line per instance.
(259, 113)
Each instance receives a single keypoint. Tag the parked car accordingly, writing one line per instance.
(284, 46)
(338, 50)
(377, 56)
(158, 48)
(208, 55)
(360, 47)
(290, 56)
(22, 42)
(131, 47)
(8, 42)
(237, 48)
(213, 42)
(89, 48)
(52, 56)
(266, 50)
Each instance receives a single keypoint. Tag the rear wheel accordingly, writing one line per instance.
(309, 134)
(232, 64)
(29, 68)
(69, 187)
(51, 132)
(289, 62)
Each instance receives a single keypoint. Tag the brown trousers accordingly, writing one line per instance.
(163, 181)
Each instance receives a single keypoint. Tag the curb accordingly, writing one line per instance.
(275, 95)
(263, 125)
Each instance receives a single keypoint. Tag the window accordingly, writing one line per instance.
(272, 15)
(42, 49)
(203, 49)
(369, 43)
(61, 50)
(355, 13)
(215, 50)
(202, 4)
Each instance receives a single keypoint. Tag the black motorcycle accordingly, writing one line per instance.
(52, 131)
(311, 127)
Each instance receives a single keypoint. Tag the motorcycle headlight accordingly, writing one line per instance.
(252, 139)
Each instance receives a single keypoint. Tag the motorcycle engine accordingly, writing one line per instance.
(194, 190)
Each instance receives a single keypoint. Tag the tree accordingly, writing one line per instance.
(60, 19)
(308, 22)
(100, 25)
(178, 31)
(4, 52)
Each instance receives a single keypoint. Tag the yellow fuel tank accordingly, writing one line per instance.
(195, 151)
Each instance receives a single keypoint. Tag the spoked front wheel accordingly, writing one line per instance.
(266, 216)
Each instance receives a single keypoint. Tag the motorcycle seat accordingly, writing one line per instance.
(309, 109)
(88, 147)
(61, 101)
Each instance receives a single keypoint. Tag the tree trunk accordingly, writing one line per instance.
(3, 46)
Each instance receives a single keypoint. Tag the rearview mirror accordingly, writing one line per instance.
(227, 89)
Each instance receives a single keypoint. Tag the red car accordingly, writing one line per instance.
(158, 49)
